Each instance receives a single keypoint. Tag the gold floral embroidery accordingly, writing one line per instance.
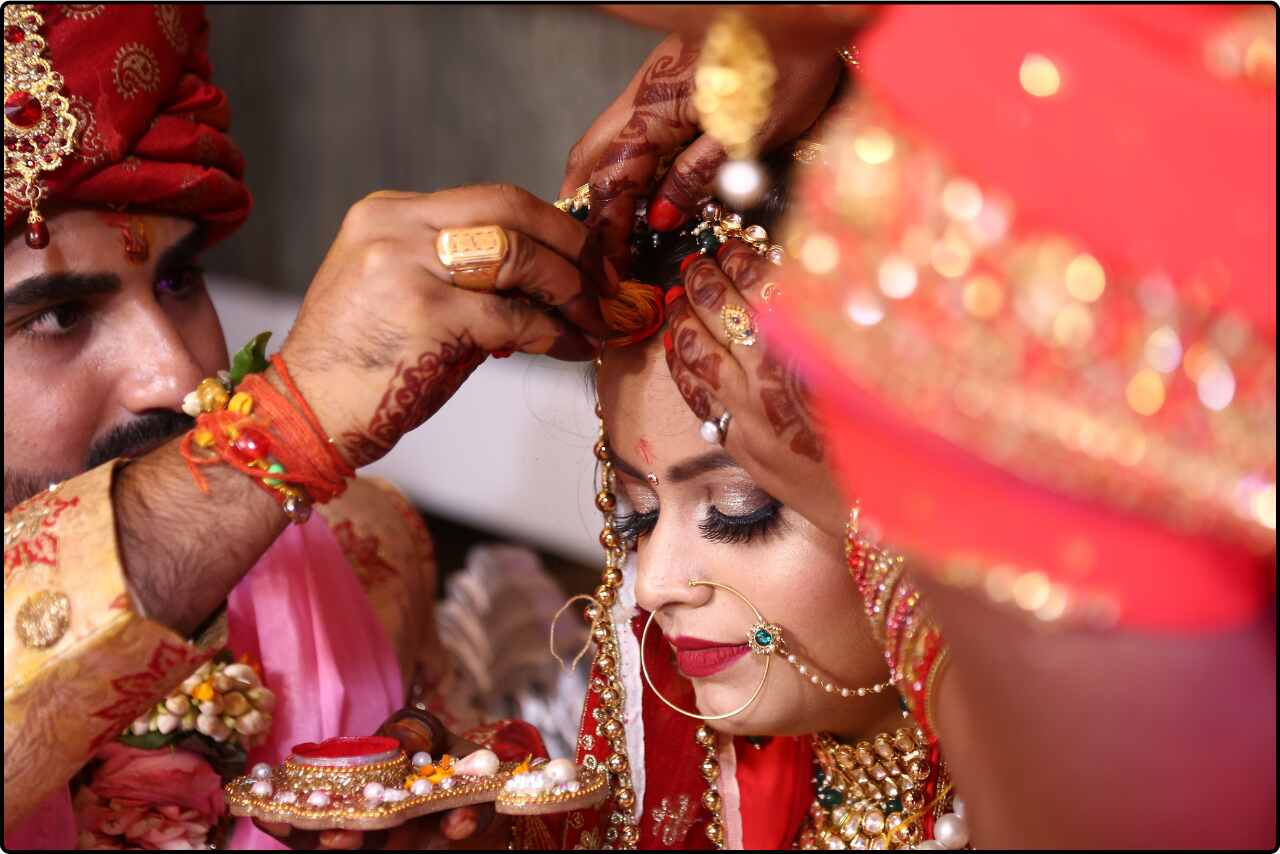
(1029, 351)
(82, 11)
(170, 21)
(89, 146)
(135, 70)
(29, 535)
(671, 823)
(43, 619)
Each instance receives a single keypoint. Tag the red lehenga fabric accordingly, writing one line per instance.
(1035, 297)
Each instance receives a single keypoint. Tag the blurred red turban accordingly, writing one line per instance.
(151, 128)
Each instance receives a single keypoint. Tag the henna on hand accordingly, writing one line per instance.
(662, 118)
(705, 284)
(692, 368)
(747, 269)
(414, 394)
(785, 400)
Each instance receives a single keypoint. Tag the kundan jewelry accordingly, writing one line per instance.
(39, 127)
(891, 791)
(473, 256)
(738, 325)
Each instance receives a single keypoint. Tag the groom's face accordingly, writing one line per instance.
(105, 331)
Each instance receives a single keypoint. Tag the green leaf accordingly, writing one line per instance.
(152, 740)
(251, 359)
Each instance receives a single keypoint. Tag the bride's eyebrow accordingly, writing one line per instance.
(623, 466)
(681, 472)
(711, 461)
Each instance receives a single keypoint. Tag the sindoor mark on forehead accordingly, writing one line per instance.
(133, 236)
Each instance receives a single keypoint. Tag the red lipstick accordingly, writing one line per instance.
(697, 658)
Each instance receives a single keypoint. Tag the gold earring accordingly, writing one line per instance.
(763, 637)
(733, 91)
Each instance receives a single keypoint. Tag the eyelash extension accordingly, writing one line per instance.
(720, 528)
(633, 526)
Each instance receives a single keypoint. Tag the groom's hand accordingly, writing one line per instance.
(384, 338)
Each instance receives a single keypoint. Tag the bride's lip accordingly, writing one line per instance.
(683, 642)
(697, 658)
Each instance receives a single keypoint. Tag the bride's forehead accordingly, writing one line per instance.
(640, 397)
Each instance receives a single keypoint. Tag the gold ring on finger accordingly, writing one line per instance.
(739, 328)
(473, 255)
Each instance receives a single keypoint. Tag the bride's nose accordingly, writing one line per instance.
(664, 568)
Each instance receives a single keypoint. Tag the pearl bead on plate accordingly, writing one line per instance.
(560, 771)
(261, 771)
(261, 789)
(482, 763)
(373, 791)
(421, 787)
(318, 799)
(421, 759)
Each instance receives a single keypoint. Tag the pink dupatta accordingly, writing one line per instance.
(301, 612)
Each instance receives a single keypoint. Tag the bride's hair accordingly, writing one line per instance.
(658, 254)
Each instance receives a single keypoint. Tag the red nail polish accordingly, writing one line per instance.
(663, 215)
(674, 294)
(502, 353)
(689, 259)
(667, 343)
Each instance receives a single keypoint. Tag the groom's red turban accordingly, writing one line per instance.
(151, 128)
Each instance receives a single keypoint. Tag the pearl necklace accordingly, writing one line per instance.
(825, 684)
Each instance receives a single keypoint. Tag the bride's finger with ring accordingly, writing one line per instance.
(718, 305)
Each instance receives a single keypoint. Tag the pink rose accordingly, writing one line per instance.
(158, 778)
(125, 823)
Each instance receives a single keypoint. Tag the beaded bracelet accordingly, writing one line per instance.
(245, 422)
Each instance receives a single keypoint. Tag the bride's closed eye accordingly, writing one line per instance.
(717, 526)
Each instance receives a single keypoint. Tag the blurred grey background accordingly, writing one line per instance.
(331, 102)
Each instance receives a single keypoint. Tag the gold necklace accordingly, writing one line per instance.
(873, 794)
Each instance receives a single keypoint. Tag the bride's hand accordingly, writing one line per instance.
(474, 827)
(772, 432)
(654, 118)
(384, 338)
